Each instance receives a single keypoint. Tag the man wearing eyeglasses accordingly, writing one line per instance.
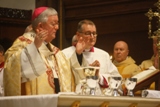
(84, 54)
(33, 64)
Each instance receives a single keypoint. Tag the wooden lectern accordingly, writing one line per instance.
(148, 80)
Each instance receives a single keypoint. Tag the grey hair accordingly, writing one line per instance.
(43, 17)
(74, 39)
(81, 23)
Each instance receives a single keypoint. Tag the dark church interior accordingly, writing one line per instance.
(115, 20)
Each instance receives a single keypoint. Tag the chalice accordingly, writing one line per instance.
(114, 83)
(130, 83)
(92, 83)
(91, 79)
(88, 85)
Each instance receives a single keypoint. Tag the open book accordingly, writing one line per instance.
(145, 74)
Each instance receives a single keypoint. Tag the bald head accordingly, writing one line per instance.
(120, 51)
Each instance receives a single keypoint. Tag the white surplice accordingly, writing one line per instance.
(106, 66)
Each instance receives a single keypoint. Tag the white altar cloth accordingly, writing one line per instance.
(68, 99)
(50, 100)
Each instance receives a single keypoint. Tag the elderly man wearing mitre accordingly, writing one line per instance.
(33, 65)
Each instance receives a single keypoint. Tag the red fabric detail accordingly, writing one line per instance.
(22, 38)
(105, 83)
(92, 49)
(124, 91)
(1, 66)
(38, 11)
(50, 78)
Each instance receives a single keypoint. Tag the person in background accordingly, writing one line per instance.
(84, 54)
(28, 28)
(74, 40)
(146, 64)
(1, 70)
(154, 59)
(33, 65)
(126, 65)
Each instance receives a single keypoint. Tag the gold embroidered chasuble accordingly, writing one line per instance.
(44, 83)
(147, 63)
(127, 68)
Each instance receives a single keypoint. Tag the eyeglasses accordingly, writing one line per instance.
(90, 33)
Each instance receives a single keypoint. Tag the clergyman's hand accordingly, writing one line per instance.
(96, 64)
(40, 37)
(80, 46)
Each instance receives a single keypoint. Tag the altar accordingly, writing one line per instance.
(106, 101)
(72, 100)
